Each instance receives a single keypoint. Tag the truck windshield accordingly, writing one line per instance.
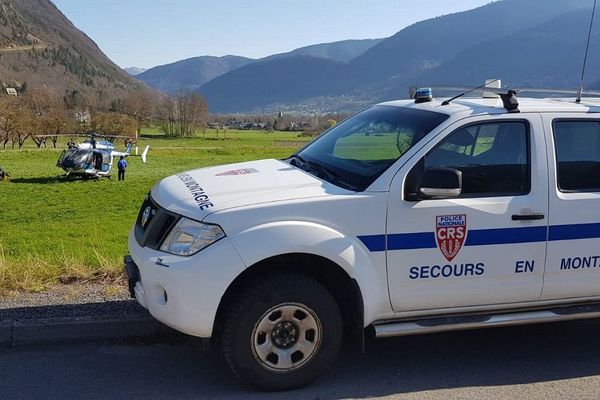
(356, 152)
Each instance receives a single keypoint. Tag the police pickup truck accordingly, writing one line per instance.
(410, 217)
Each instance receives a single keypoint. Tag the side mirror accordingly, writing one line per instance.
(439, 183)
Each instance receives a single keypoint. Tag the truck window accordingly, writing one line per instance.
(577, 146)
(493, 158)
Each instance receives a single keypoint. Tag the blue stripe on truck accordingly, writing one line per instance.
(577, 231)
(484, 237)
(478, 237)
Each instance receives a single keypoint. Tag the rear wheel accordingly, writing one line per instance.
(282, 332)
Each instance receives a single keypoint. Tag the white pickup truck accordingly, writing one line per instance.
(410, 217)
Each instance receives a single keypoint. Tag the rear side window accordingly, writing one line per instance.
(577, 146)
(493, 158)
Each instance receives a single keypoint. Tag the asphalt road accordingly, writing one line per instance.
(557, 361)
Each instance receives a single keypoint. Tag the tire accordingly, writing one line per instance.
(282, 332)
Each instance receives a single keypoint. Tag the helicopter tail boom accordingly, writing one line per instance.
(145, 154)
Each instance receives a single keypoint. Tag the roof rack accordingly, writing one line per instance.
(509, 96)
(518, 90)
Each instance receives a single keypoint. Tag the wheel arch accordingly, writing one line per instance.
(332, 276)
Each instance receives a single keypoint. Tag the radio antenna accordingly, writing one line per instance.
(445, 103)
(587, 48)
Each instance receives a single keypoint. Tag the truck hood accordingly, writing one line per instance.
(200, 192)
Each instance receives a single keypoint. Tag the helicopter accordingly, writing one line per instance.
(93, 158)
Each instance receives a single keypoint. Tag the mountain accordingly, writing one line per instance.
(191, 73)
(430, 43)
(40, 46)
(133, 71)
(291, 78)
(342, 51)
(389, 68)
(549, 55)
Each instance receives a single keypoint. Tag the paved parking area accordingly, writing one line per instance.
(557, 361)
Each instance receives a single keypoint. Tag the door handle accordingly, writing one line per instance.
(527, 217)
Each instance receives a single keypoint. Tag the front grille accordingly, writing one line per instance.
(153, 224)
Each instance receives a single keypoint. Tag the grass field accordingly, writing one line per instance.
(54, 229)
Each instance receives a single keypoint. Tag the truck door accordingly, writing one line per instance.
(486, 246)
(573, 261)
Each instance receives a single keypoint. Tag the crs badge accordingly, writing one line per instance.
(450, 234)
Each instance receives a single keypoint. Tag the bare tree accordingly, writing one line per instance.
(139, 106)
(48, 116)
(54, 123)
(184, 115)
(37, 101)
(8, 121)
(26, 125)
(17, 121)
(114, 124)
(39, 140)
(166, 114)
(192, 112)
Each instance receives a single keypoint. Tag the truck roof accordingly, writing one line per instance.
(480, 106)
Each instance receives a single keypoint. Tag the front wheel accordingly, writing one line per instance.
(282, 332)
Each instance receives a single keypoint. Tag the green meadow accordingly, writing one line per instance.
(55, 229)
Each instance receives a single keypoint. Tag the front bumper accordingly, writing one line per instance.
(134, 281)
(182, 292)
(133, 274)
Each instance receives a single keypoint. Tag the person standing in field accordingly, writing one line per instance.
(3, 174)
(122, 165)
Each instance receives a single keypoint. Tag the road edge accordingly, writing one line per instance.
(30, 332)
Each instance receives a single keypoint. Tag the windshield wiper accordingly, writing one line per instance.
(330, 175)
(321, 171)
(320, 168)
(294, 160)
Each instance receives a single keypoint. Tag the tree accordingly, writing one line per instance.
(8, 120)
(40, 140)
(183, 115)
(114, 124)
(22, 89)
(283, 122)
(40, 101)
(75, 101)
(48, 115)
(54, 123)
(139, 106)
(167, 116)
(27, 123)
(192, 112)
(117, 105)
(17, 121)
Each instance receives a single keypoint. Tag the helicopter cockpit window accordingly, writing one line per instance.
(77, 157)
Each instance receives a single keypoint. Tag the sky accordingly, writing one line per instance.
(146, 33)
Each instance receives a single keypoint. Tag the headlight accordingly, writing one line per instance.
(189, 237)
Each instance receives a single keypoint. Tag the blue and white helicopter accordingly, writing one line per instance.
(93, 158)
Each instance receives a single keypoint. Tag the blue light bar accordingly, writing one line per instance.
(423, 95)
